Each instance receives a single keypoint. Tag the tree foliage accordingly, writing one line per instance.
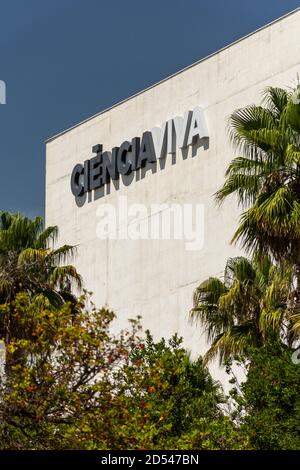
(250, 304)
(78, 387)
(266, 176)
(268, 401)
(29, 262)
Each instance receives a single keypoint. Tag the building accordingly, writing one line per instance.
(150, 277)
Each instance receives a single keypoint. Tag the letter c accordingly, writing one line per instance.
(77, 183)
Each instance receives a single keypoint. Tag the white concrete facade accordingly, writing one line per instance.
(156, 278)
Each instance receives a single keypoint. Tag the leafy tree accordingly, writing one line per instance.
(82, 388)
(246, 307)
(64, 379)
(268, 402)
(174, 400)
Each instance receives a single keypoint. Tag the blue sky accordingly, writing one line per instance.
(64, 60)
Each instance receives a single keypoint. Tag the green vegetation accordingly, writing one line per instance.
(29, 263)
(266, 181)
(246, 308)
(68, 383)
(252, 315)
(266, 176)
(269, 400)
(78, 387)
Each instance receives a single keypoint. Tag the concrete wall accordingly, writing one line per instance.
(156, 279)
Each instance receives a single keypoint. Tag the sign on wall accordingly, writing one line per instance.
(177, 133)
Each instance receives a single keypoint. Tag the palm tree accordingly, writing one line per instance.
(244, 308)
(266, 177)
(29, 262)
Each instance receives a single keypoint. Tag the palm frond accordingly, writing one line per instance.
(245, 186)
(29, 262)
(61, 254)
(292, 155)
(46, 236)
(239, 269)
(232, 342)
(276, 100)
(62, 275)
(32, 255)
(271, 320)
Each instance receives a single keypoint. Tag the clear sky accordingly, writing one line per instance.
(64, 60)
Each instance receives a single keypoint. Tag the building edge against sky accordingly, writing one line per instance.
(156, 278)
